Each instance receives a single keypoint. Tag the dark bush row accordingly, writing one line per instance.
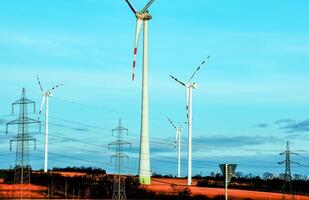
(255, 183)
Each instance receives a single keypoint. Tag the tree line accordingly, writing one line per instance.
(268, 182)
(95, 185)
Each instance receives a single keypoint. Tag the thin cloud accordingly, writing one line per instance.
(233, 141)
(284, 121)
(262, 125)
(300, 127)
(202, 143)
(79, 129)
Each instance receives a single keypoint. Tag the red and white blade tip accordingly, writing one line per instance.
(134, 63)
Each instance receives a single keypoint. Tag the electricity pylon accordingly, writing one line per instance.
(119, 190)
(287, 183)
(22, 168)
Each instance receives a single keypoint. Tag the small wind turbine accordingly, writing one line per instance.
(177, 142)
(189, 86)
(45, 95)
(142, 18)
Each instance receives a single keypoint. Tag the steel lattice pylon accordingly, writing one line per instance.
(119, 191)
(287, 183)
(22, 168)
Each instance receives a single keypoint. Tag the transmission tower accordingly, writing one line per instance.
(22, 168)
(287, 183)
(119, 191)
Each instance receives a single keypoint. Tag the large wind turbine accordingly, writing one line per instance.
(177, 141)
(45, 95)
(189, 86)
(142, 18)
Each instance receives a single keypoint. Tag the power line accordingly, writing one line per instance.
(203, 163)
(89, 143)
(161, 141)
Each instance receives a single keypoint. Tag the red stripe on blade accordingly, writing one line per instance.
(135, 51)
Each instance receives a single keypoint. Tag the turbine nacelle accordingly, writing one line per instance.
(143, 16)
(48, 94)
(193, 85)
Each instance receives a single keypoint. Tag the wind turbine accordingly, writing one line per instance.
(177, 141)
(45, 95)
(189, 86)
(142, 18)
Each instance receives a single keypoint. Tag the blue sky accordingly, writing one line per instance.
(257, 75)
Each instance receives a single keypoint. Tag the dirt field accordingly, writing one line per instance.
(68, 174)
(167, 185)
(159, 185)
(13, 191)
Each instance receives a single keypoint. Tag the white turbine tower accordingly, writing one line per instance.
(45, 95)
(189, 86)
(142, 18)
(177, 142)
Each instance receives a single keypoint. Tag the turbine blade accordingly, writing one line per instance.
(139, 23)
(147, 6)
(171, 123)
(176, 139)
(131, 7)
(39, 82)
(41, 108)
(187, 103)
(198, 68)
(53, 88)
(178, 80)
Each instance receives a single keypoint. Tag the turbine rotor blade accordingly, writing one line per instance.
(198, 68)
(177, 139)
(178, 80)
(41, 108)
(147, 6)
(131, 7)
(53, 88)
(187, 103)
(39, 82)
(172, 123)
(139, 24)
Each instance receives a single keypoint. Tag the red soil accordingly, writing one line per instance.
(69, 174)
(13, 191)
(170, 186)
(66, 174)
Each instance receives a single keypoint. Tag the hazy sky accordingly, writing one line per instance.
(252, 96)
